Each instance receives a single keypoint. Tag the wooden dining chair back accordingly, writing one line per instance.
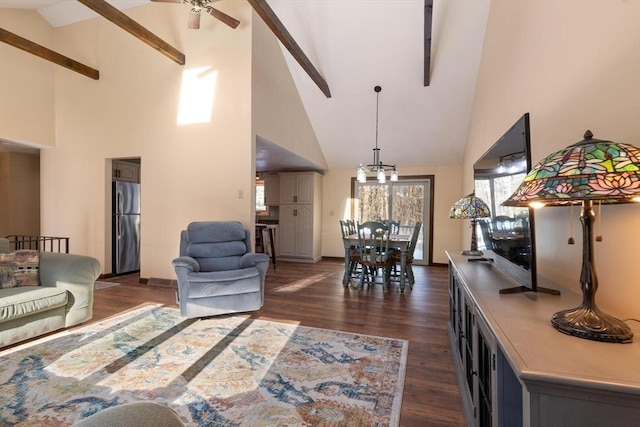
(373, 252)
(344, 228)
(411, 248)
(504, 223)
(351, 224)
(394, 226)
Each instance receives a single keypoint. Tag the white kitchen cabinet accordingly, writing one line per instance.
(300, 216)
(296, 231)
(298, 187)
(271, 190)
(125, 171)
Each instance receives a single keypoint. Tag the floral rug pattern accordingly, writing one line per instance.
(224, 371)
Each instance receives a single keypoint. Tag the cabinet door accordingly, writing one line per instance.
(304, 231)
(272, 190)
(125, 171)
(485, 366)
(287, 230)
(304, 190)
(288, 188)
(468, 328)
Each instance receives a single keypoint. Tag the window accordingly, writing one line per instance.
(406, 201)
(260, 207)
(496, 189)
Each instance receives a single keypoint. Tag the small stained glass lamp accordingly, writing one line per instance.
(470, 207)
(588, 171)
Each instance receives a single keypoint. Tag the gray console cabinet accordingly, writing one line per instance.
(515, 369)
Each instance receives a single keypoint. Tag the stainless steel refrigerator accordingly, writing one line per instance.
(126, 227)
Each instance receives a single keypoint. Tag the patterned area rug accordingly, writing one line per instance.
(224, 371)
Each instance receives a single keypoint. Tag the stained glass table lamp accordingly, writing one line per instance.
(588, 171)
(470, 207)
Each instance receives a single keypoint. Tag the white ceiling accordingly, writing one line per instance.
(356, 45)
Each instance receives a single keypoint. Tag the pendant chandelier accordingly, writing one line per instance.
(377, 167)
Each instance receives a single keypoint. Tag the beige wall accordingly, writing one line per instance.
(26, 81)
(337, 205)
(573, 66)
(278, 114)
(189, 172)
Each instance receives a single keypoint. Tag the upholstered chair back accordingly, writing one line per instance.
(215, 245)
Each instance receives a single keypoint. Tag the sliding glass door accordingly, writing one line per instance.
(406, 201)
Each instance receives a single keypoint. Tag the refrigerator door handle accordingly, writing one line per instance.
(119, 207)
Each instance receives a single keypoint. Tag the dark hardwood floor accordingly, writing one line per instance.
(313, 295)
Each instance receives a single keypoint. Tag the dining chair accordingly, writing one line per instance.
(346, 230)
(373, 252)
(504, 223)
(411, 248)
(394, 226)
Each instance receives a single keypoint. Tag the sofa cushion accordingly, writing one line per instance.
(7, 265)
(19, 268)
(27, 267)
(24, 301)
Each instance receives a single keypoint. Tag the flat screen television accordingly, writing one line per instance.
(508, 236)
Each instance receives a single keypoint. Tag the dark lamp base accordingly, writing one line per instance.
(471, 253)
(591, 324)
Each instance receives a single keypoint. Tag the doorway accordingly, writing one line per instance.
(406, 201)
(125, 215)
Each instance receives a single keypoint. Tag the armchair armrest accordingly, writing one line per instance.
(253, 259)
(77, 275)
(67, 268)
(259, 261)
(187, 263)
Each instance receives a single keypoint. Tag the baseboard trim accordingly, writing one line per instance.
(156, 281)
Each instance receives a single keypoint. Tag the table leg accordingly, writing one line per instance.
(272, 238)
(403, 268)
(347, 270)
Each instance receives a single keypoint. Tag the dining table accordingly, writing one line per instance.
(398, 242)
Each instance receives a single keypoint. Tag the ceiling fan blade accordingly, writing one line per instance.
(194, 20)
(232, 22)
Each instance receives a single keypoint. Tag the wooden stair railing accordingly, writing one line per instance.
(39, 243)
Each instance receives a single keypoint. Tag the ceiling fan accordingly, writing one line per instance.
(197, 7)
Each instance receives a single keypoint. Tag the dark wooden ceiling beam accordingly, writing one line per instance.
(132, 27)
(428, 17)
(274, 23)
(48, 54)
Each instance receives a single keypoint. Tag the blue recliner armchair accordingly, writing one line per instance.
(217, 271)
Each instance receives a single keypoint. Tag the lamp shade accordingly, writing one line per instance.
(591, 169)
(469, 206)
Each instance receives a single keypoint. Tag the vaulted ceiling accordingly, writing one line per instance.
(355, 45)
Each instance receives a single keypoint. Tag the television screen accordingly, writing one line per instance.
(508, 236)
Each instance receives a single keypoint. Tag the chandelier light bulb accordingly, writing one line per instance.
(361, 175)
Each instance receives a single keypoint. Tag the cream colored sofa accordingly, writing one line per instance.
(63, 298)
